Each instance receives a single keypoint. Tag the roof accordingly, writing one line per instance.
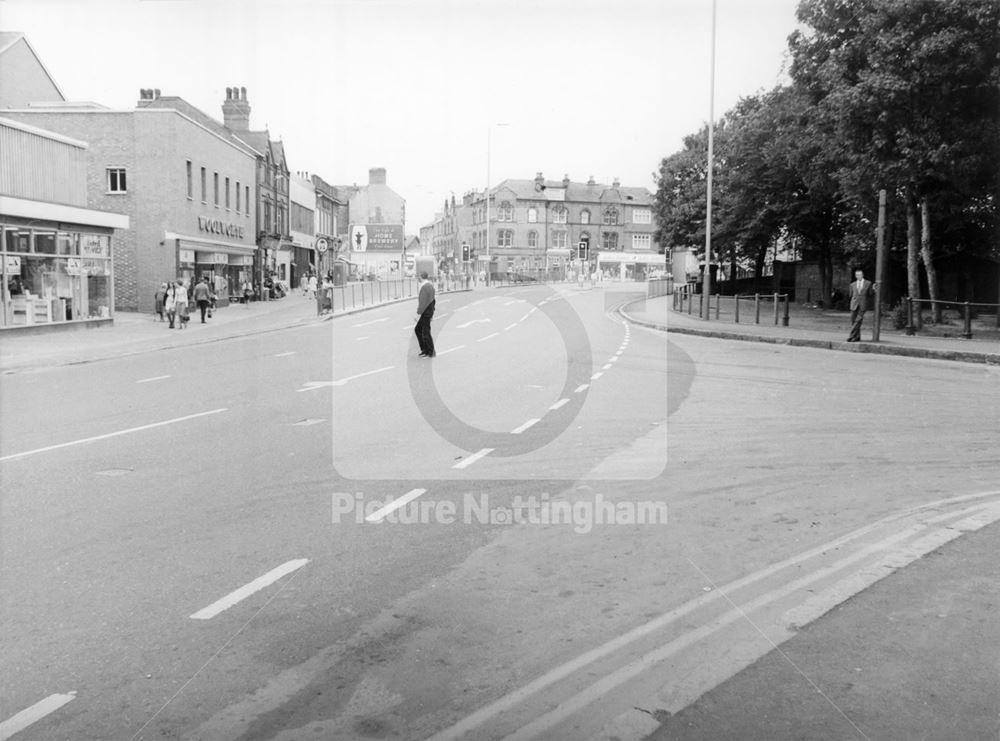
(9, 38)
(175, 102)
(577, 192)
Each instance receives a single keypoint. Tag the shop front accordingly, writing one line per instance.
(629, 266)
(227, 266)
(55, 273)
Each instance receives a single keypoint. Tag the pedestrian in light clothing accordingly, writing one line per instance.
(181, 300)
(160, 298)
(425, 312)
(202, 296)
(312, 285)
(170, 303)
(861, 294)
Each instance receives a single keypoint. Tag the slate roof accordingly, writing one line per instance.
(577, 192)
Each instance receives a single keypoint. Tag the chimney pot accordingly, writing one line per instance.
(156, 93)
(243, 93)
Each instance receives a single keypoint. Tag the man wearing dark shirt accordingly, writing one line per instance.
(425, 312)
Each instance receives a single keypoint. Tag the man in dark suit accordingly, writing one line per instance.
(425, 312)
(861, 293)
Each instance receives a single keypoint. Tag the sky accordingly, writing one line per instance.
(447, 95)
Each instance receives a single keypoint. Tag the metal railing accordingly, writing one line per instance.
(687, 295)
(915, 311)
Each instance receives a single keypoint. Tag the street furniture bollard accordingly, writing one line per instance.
(775, 310)
(910, 329)
(690, 302)
(784, 319)
(967, 333)
(736, 308)
(756, 308)
(718, 300)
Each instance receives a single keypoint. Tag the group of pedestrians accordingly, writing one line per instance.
(175, 301)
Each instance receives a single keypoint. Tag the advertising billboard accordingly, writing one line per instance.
(376, 237)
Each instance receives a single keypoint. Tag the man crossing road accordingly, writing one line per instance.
(425, 312)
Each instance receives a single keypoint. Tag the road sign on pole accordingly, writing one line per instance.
(322, 245)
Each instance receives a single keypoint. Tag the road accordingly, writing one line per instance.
(198, 543)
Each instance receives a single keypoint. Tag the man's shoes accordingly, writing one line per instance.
(423, 355)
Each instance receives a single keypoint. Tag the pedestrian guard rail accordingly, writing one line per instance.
(358, 294)
(685, 297)
(966, 310)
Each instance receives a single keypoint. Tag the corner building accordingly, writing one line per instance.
(186, 185)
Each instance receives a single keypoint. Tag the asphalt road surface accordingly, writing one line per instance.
(315, 533)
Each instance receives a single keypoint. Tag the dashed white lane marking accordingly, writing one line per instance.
(471, 322)
(154, 378)
(373, 321)
(379, 514)
(20, 721)
(361, 338)
(313, 385)
(245, 591)
(559, 403)
(597, 375)
(515, 301)
(510, 326)
(581, 387)
(473, 458)
(130, 430)
(451, 349)
(483, 339)
(285, 354)
(522, 428)
(614, 359)
(605, 366)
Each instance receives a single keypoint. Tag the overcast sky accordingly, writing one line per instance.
(416, 86)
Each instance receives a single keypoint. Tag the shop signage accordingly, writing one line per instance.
(376, 238)
(13, 264)
(212, 258)
(186, 256)
(93, 245)
(217, 226)
(241, 259)
(73, 266)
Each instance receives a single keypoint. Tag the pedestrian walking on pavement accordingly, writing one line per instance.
(202, 296)
(170, 303)
(160, 297)
(181, 299)
(861, 295)
(304, 285)
(425, 312)
(312, 286)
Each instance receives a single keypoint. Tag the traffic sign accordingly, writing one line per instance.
(321, 245)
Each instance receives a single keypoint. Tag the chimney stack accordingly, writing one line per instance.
(376, 176)
(236, 110)
(616, 184)
(566, 181)
(591, 181)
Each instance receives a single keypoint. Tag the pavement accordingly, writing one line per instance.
(913, 656)
(134, 332)
(811, 327)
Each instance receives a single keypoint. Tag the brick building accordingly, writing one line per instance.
(187, 187)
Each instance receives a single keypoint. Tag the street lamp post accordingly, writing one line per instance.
(707, 278)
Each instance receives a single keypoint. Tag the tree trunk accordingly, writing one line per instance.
(912, 245)
(928, 258)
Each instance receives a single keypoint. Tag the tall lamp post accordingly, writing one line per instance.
(489, 225)
(706, 289)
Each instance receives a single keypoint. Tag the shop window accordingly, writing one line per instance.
(45, 243)
(116, 180)
(17, 240)
(67, 243)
